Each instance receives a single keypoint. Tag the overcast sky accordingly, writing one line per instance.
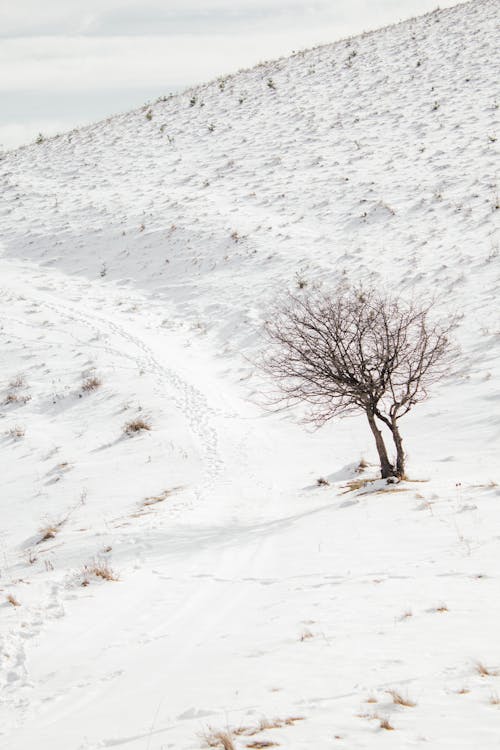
(68, 62)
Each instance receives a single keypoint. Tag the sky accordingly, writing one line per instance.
(65, 63)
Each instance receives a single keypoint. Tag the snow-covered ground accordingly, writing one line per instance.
(143, 252)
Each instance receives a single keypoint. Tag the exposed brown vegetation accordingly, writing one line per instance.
(485, 671)
(356, 484)
(16, 398)
(219, 739)
(136, 425)
(400, 699)
(17, 382)
(154, 499)
(385, 724)
(322, 482)
(306, 635)
(49, 531)
(98, 569)
(264, 724)
(269, 724)
(362, 466)
(386, 491)
(12, 600)
(16, 432)
(91, 384)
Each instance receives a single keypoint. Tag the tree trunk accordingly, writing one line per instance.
(386, 468)
(398, 442)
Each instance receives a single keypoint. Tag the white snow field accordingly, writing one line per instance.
(144, 252)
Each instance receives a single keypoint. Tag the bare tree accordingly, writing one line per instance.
(357, 350)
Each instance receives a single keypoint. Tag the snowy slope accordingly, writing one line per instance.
(144, 251)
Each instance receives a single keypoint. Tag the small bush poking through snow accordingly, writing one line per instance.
(322, 482)
(401, 700)
(12, 600)
(91, 384)
(16, 432)
(361, 466)
(485, 671)
(385, 724)
(16, 398)
(136, 425)
(49, 531)
(219, 739)
(306, 635)
(98, 569)
(17, 382)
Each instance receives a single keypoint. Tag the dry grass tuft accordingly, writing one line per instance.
(306, 635)
(406, 614)
(265, 723)
(98, 569)
(16, 398)
(269, 724)
(463, 691)
(322, 482)
(242, 730)
(18, 382)
(16, 432)
(154, 499)
(441, 608)
(385, 724)
(261, 744)
(371, 699)
(49, 531)
(484, 671)
(12, 600)
(361, 466)
(219, 739)
(388, 491)
(401, 700)
(91, 384)
(356, 484)
(136, 425)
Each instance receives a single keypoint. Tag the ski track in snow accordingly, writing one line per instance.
(190, 401)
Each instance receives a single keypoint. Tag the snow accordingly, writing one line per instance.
(146, 252)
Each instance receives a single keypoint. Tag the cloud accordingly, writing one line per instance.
(82, 63)
(160, 17)
(96, 48)
(119, 17)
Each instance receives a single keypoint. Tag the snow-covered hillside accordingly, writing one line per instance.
(138, 259)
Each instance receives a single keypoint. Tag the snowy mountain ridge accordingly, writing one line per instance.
(139, 258)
